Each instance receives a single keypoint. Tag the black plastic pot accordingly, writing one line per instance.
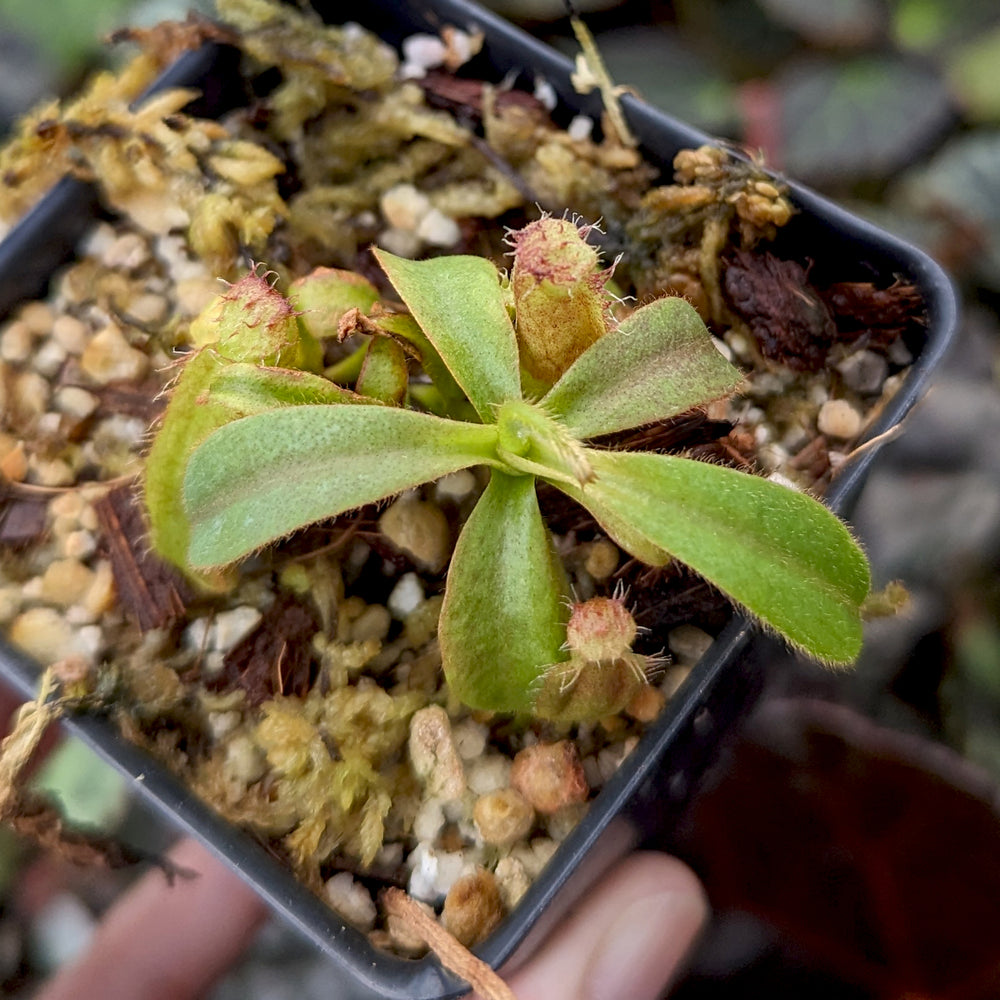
(649, 789)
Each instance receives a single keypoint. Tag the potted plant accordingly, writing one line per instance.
(253, 435)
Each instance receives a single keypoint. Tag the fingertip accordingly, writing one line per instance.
(628, 937)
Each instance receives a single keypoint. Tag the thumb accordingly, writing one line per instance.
(627, 940)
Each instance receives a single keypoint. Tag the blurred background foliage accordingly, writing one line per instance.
(893, 108)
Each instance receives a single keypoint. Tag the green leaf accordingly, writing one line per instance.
(209, 394)
(458, 303)
(325, 294)
(503, 619)
(660, 361)
(384, 375)
(451, 395)
(972, 73)
(866, 116)
(247, 389)
(90, 792)
(777, 552)
(260, 478)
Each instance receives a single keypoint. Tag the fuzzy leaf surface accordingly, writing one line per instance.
(660, 361)
(210, 393)
(258, 479)
(384, 374)
(502, 621)
(777, 552)
(248, 388)
(457, 302)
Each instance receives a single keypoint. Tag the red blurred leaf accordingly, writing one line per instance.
(875, 852)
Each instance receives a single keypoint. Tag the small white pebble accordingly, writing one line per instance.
(580, 128)
(32, 393)
(512, 881)
(864, 371)
(838, 419)
(70, 333)
(75, 401)
(438, 229)
(128, 252)
(456, 486)
(406, 596)
(433, 873)
(429, 821)
(536, 855)
(245, 761)
(489, 773)
(545, 93)
(739, 344)
(233, 626)
(221, 724)
(199, 634)
(148, 309)
(38, 316)
(399, 242)
(351, 900)
(54, 472)
(772, 456)
(433, 756)
(48, 424)
(560, 824)
(373, 623)
(817, 393)
(420, 530)
(88, 642)
(592, 772)
(899, 353)
(470, 738)
(404, 206)
(16, 342)
(110, 358)
(688, 643)
(98, 240)
(422, 52)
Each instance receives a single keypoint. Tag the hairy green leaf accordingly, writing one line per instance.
(777, 552)
(659, 362)
(247, 388)
(209, 394)
(384, 375)
(258, 479)
(503, 620)
(325, 294)
(457, 302)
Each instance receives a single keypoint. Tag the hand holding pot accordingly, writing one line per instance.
(627, 939)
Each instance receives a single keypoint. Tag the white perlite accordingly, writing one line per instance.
(351, 900)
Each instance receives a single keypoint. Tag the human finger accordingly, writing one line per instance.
(626, 940)
(163, 942)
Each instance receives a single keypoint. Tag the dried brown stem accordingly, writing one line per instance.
(452, 954)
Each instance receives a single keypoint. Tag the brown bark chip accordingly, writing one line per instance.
(150, 591)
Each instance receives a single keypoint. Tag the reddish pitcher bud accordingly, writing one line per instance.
(560, 304)
(602, 674)
(250, 321)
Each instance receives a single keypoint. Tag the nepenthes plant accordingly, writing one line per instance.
(525, 371)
